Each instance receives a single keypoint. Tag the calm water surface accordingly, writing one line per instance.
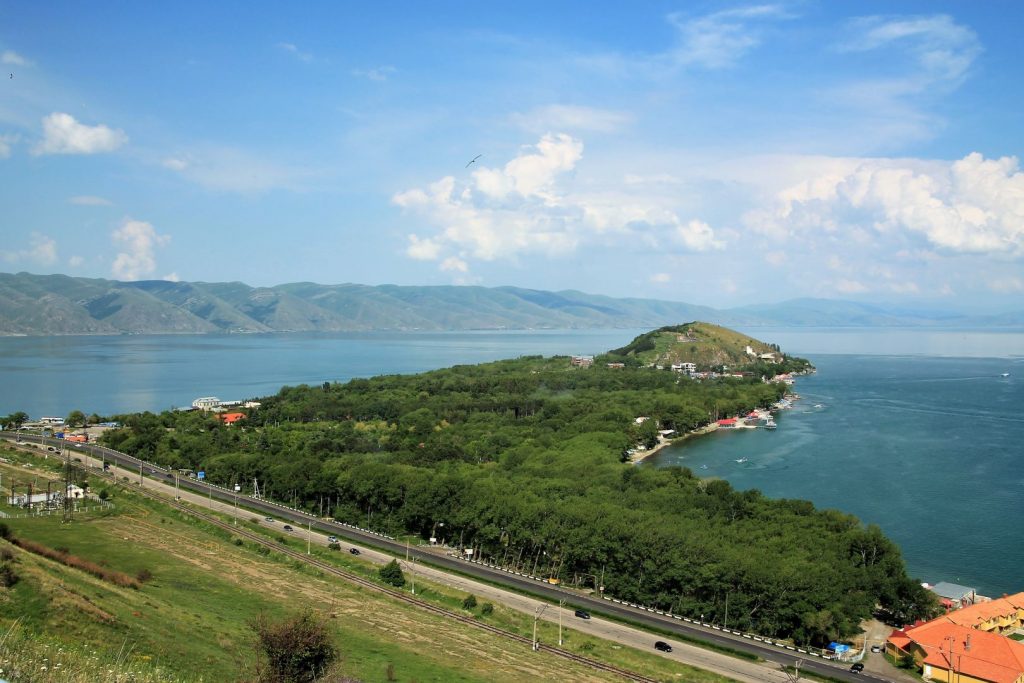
(916, 432)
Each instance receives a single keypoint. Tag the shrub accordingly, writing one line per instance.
(334, 546)
(487, 609)
(469, 602)
(392, 574)
(297, 648)
(5, 531)
(104, 494)
(144, 575)
(238, 541)
(8, 577)
(263, 550)
(6, 555)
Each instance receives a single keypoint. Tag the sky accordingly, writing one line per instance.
(715, 153)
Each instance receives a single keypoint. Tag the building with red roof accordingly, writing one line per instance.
(949, 651)
(230, 418)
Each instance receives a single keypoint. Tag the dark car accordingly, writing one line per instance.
(287, 527)
(857, 668)
(662, 646)
(583, 614)
(354, 551)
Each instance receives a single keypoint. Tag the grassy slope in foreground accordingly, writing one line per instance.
(189, 621)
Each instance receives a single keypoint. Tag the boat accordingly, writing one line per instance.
(741, 460)
(770, 424)
(1005, 374)
(818, 405)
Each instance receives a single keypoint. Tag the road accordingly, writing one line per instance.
(373, 544)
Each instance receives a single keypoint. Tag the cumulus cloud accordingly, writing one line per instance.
(174, 164)
(138, 242)
(42, 250)
(454, 263)
(62, 134)
(75, 261)
(660, 278)
(571, 117)
(90, 200)
(12, 58)
(530, 205)
(973, 205)
(1007, 285)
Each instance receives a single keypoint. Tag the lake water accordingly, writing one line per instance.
(917, 431)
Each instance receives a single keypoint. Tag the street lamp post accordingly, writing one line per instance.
(561, 604)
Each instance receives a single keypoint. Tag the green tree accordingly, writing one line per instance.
(76, 418)
(392, 574)
(15, 420)
(469, 602)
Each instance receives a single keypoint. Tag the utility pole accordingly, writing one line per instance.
(309, 534)
(561, 604)
(536, 617)
(140, 474)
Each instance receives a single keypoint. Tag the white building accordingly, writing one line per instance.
(206, 403)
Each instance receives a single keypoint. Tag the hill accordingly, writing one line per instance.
(709, 347)
(39, 305)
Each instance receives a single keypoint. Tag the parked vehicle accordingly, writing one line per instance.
(287, 527)
(662, 646)
(269, 519)
(354, 551)
(857, 668)
(583, 614)
(332, 539)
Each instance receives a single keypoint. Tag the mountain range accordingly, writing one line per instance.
(40, 305)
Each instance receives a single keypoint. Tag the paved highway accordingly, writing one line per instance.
(663, 623)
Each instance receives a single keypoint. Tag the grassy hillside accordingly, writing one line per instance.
(189, 619)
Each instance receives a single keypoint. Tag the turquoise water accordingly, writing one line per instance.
(929, 448)
(917, 431)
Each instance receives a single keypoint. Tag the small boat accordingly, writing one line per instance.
(770, 424)
(818, 405)
(741, 460)
(703, 467)
(1005, 374)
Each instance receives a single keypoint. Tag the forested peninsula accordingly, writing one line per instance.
(523, 461)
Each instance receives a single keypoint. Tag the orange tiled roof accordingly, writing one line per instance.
(983, 655)
(980, 612)
(228, 418)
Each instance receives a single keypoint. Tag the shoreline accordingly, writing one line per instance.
(637, 458)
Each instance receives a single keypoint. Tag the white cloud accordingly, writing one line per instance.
(12, 58)
(974, 205)
(5, 145)
(942, 50)
(42, 250)
(90, 200)
(422, 250)
(775, 258)
(174, 164)
(62, 134)
(571, 117)
(171, 277)
(376, 73)
(850, 287)
(76, 261)
(295, 52)
(719, 40)
(660, 278)
(138, 242)
(454, 263)
(530, 206)
(1007, 285)
(228, 169)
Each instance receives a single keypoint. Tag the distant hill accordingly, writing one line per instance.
(40, 305)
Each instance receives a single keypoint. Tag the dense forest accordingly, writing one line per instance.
(523, 461)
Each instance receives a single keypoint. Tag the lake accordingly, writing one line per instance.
(917, 431)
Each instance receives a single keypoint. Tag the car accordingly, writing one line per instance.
(583, 614)
(332, 539)
(269, 519)
(876, 648)
(662, 646)
(287, 527)
(354, 551)
(857, 668)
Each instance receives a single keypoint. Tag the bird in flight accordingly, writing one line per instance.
(473, 160)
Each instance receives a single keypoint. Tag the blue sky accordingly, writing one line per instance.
(716, 153)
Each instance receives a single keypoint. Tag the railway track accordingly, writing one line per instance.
(397, 595)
